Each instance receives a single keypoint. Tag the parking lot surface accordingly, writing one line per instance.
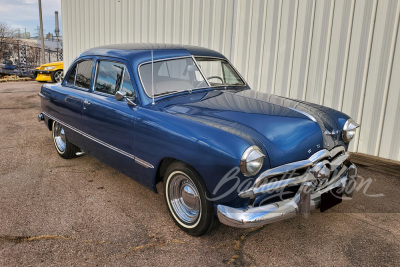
(82, 212)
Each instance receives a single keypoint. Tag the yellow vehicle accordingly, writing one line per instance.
(50, 72)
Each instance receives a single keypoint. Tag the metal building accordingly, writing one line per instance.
(344, 54)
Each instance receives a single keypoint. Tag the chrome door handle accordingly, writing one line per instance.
(86, 102)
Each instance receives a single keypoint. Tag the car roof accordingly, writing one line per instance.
(137, 53)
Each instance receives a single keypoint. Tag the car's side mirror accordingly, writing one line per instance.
(119, 95)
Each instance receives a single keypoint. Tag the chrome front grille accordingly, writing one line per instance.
(318, 169)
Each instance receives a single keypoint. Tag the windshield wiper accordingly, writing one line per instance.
(238, 83)
(166, 93)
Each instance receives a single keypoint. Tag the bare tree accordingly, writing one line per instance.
(6, 31)
(6, 36)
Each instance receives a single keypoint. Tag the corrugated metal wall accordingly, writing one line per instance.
(344, 54)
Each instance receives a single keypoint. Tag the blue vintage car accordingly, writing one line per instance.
(183, 115)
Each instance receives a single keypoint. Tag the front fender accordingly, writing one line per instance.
(214, 153)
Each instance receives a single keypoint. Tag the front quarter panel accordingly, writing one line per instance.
(212, 152)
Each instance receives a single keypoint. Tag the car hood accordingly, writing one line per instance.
(52, 64)
(289, 130)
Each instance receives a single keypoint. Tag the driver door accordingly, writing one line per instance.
(108, 122)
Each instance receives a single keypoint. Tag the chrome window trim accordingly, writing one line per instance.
(76, 72)
(122, 78)
(201, 71)
(194, 59)
(95, 76)
(137, 160)
(102, 94)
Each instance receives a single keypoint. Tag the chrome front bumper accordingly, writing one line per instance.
(308, 196)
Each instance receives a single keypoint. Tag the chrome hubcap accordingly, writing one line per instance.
(59, 137)
(184, 198)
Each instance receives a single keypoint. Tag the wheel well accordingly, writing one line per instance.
(162, 167)
(50, 124)
(165, 163)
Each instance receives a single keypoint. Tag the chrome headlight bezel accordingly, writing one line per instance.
(252, 161)
(49, 68)
(349, 130)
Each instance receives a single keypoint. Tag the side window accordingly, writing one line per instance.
(109, 77)
(84, 74)
(70, 80)
(230, 74)
(112, 77)
(81, 74)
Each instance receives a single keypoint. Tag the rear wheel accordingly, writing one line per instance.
(64, 148)
(56, 76)
(187, 200)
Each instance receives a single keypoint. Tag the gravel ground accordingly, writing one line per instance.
(82, 212)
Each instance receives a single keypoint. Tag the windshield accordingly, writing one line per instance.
(177, 75)
(219, 72)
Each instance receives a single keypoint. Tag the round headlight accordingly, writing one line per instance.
(349, 130)
(252, 161)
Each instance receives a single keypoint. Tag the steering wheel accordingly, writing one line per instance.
(209, 78)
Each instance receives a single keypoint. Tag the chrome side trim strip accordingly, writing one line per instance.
(137, 160)
(143, 163)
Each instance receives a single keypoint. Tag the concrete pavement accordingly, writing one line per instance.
(82, 212)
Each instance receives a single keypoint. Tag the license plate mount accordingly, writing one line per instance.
(331, 198)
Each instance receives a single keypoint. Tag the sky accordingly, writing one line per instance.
(25, 14)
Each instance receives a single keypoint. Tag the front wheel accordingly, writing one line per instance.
(56, 76)
(187, 200)
(64, 148)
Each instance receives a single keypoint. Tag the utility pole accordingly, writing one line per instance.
(57, 31)
(41, 30)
